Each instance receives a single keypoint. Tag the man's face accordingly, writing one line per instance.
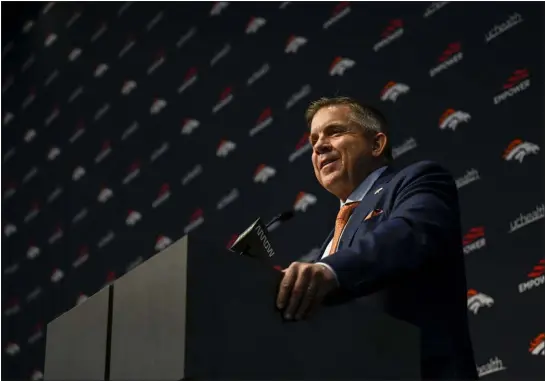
(341, 153)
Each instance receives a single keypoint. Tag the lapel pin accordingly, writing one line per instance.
(378, 190)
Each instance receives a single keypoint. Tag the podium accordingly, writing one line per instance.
(192, 312)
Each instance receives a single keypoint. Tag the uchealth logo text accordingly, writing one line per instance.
(264, 69)
(303, 201)
(154, 21)
(219, 55)
(303, 146)
(54, 194)
(518, 150)
(452, 55)
(392, 32)
(263, 173)
(263, 238)
(228, 199)
(196, 220)
(102, 111)
(80, 215)
(186, 37)
(32, 295)
(340, 65)
(403, 148)
(518, 82)
(8, 117)
(296, 97)
(492, 366)
(434, 7)
(294, 43)
(452, 118)
(265, 119)
(159, 151)
(106, 239)
(536, 276)
(225, 98)
(339, 11)
(469, 177)
(11, 269)
(393, 90)
(537, 345)
(525, 219)
(9, 154)
(134, 263)
(192, 174)
(497, 30)
(130, 130)
(32, 172)
(477, 300)
(189, 79)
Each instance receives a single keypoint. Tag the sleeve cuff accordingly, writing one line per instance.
(330, 269)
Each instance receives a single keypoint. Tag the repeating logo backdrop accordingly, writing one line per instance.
(128, 125)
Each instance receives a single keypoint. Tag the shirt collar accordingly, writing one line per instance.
(359, 193)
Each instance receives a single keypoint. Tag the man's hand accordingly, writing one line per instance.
(303, 288)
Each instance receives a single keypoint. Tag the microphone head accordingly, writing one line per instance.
(254, 242)
(287, 215)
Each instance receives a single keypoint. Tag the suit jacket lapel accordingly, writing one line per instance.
(368, 203)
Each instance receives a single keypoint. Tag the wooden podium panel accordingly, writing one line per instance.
(76, 342)
(148, 325)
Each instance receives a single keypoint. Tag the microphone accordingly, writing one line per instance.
(254, 241)
(279, 219)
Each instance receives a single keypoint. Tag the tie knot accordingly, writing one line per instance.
(346, 211)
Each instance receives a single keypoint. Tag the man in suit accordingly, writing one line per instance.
(396, 244)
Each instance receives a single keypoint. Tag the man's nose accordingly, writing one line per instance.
(322, 146)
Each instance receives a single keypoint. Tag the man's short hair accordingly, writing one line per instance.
(368, 117)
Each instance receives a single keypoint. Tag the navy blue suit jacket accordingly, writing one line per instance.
(408, 262)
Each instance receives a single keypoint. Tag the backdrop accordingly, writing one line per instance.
(128, 125)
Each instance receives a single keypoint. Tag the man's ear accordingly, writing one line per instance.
(379, 144)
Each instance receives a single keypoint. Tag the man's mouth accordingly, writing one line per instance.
(327, 162)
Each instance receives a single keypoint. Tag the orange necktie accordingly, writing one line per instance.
(340, 223)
